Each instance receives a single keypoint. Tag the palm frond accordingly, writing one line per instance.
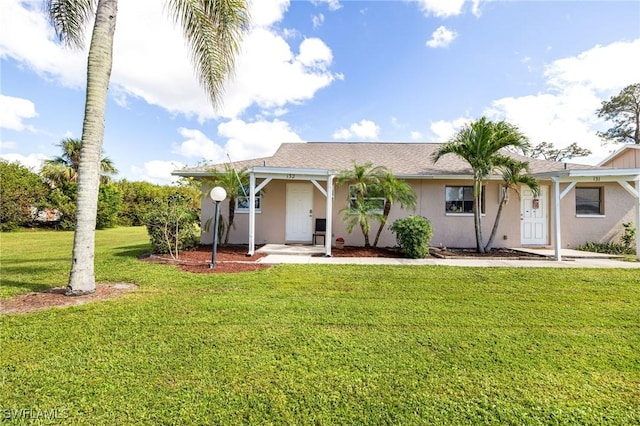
(213, 30)
(69, 19)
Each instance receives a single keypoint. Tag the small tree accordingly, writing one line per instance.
(512, 176)
(234, 182)
(21, 191)
(624, 111)
(359, 207)
(414, 235)
(394, 191)
(172, 225)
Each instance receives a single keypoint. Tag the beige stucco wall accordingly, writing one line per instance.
(449, 230)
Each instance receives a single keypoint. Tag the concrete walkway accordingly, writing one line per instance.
(279, 254)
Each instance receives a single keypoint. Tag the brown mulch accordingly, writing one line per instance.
(351, 251)
(458, 253)
(36, 301)
(229, 259)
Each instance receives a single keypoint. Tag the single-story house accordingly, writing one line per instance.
(291, 189)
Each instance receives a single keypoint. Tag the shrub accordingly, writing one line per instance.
(109, 205)
(172, 224)
(629, 236)
(608, 248)
(414, 235)
(21, 191)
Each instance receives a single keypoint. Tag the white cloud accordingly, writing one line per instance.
(255, 139)
(441, 8)
(317, 20)
(566, 111)
(364, 130)
(198, 145)
(14, 110)
(242, 141)
(444, 130)
(151, 61)
(441, 37)
(332, 4)
(32, 161)
(415, 135)
(157, 171)
(8, 145)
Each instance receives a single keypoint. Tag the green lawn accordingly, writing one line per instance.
(318, 344)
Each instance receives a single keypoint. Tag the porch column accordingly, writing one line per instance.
(328, 235)
(557, 243)
(252, 214)
(638, 217)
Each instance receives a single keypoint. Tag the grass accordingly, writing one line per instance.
(318, 344)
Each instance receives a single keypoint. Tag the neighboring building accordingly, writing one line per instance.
(577, 203)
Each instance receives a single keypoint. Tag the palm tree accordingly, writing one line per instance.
(64, 168)
(394, 191)
(480, 144)
(234, 183)
(512, 177)
(212, 28)
(359, 210)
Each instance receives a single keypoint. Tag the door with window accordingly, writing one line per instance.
(534, 217)
(299, 212)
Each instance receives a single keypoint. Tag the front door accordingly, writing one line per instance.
(534, 220)
(299, 213)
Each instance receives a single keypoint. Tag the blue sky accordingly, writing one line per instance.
(406, 71)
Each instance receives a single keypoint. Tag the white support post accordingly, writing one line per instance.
(252, 214)
(328, 234)
(638, 218)
(557, 243)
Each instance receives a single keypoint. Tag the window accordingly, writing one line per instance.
(459, 199)
(242, 202)
(373, 199)
(589, 201)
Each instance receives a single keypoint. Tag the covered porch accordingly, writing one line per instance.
(293, 175)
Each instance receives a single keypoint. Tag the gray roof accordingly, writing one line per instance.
(403, 159)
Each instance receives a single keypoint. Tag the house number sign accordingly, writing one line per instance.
(291, 176)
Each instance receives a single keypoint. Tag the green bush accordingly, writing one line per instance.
(172, 224)
(414, 235)
(629, 236)
(109, 205)
(21, 191)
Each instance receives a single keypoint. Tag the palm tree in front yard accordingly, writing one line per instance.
(512, 176)
(64, 168)
(234, 182)
(359, 208)
(394, 191)
(212, 29)
(481, 144)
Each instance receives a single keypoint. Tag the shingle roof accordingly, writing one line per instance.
(403, 159)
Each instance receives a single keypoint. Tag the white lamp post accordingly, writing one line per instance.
(217, 194)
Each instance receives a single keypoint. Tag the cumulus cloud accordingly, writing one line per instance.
(565, 112)
(447, 8)
(157, 171)
(317, 20)
(415, 135)
(14, 110)
(333, 5)
(441, 37)
(444, 130)
(151, 61)
(364, 130)
(31, 161)
(241, 141)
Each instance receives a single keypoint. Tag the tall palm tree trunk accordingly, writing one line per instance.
(365, 232)
(82, 277)
(477, 212)
(383, 221)
(494, 230)
(232, 217)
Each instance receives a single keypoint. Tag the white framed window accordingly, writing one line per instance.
(374, 200)
(242, 202)
(459, 200)
(589, 201)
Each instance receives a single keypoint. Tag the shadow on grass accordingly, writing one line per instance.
(28, 286)
(132, 251)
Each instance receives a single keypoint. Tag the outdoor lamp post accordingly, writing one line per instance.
(217, 194)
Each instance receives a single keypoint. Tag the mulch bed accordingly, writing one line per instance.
(461, 253)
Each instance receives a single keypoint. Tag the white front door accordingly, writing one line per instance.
(299, 212)
(534, 217)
